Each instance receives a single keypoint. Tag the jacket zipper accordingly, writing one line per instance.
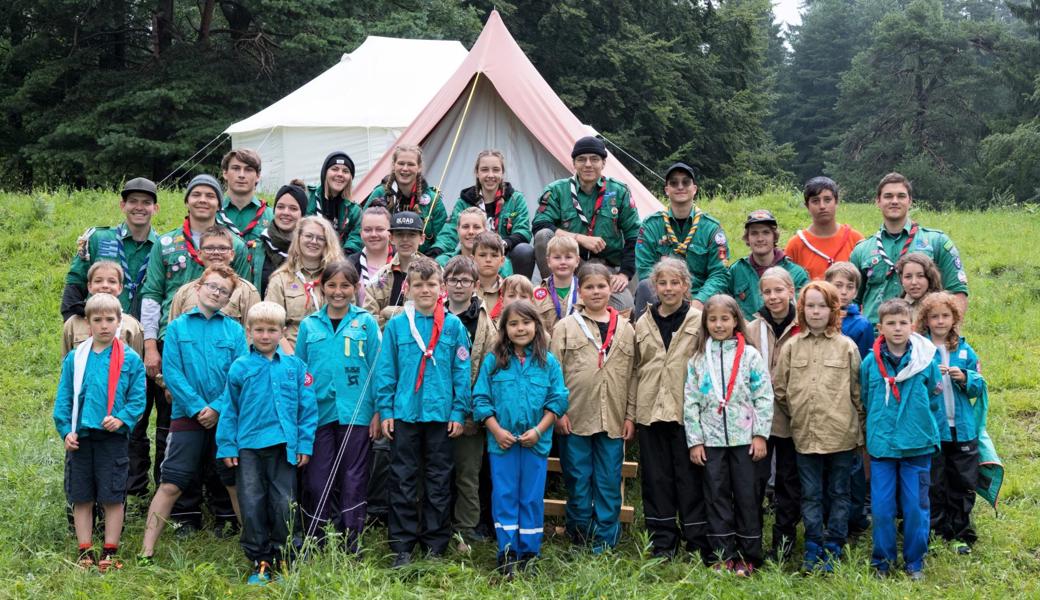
(722, 379)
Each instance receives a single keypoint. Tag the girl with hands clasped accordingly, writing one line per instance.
(728, 414)
(518, 395)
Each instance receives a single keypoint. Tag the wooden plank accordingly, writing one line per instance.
(629, 469)
(558, 508)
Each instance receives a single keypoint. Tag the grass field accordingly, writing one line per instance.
(37, 238)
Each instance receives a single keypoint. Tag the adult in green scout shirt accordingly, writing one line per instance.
(290, 203)
(245, 214)
(129, 244)
(504, 208)
(876, 256)
(405, 189)
(596, 211)
(685, 232)
(331, 199)
(761, 234)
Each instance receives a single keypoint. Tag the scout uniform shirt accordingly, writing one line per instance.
(248, 223)
(492, 298)
(876, 256)
(77, 329)
(270, 401)
(484, 334)
(383, 297)
(347, 222)
(93, 401)
(428, 204)
(699, 241)
(242, 299)
(174, 261)
(743, 283)
(555, 303)
(816, 254)
(598, 381)
(762, 337)
(817, 387)
(511, 221)
(659, 381)
(300, 294)
(117, 245)
(196, 358)
(341, 360)
(609, 212)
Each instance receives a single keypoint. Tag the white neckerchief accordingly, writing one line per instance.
(79, 368)
(409, 311)
(309, 288)
(922, 351)
(948, 398)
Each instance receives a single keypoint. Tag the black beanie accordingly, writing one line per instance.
(336, 157)
(589, 145)
(298, 194)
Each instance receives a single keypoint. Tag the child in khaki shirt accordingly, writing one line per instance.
(217, 247)
(817, 386)
(595, 347)
(489, 254)
(104, 277)
(557, 297)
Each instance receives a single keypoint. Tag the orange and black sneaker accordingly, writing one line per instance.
(108, 559)
(86, 557)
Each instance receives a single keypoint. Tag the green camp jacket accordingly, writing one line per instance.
(103, 243)
(347, 222)
(617, 221)
(706, 256)
(238, 220)
(514, 222)
(879, 282)
(430, 207)
(170, 266)
(743, 283)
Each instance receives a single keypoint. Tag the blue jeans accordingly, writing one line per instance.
(592, 471)
(266, 486)
(813, 470)
(912, 475)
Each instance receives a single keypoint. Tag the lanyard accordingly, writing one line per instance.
(681, 248)
(131, 283)
(906, 246)
(589, 225)
(308, 286)
(227, 222)
(572, 297)
(732, 383)
(611, 328)
(435, 335)
(820, 253)
(189, 243)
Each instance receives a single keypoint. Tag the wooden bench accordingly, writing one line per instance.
(557, 508)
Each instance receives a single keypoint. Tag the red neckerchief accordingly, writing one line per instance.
(881, 367)
(611, 328)
(497, 310)
(599, 204)
(256, 219)
(498, 209)
(438, 325)
(414, 197)
(189, 243)
(732, 383)
(115, 367)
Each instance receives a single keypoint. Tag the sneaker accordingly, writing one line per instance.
(743, 569)
(722, 566)
(403, 559)
(916, 575)
(960, 547)
(507, 566)
(186, 530)
(527, 561)
(145, 561)
(109, 561)
(880, 573)
(86, 559)
(262, 575)
(225, 530)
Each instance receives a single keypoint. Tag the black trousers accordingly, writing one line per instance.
(787, 492)
(955, 473)
(672, 487)
(420, 447)
(140, 445)
(734, 504)
(266, 486)
(379, 481)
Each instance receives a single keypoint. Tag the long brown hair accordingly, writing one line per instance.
(504, 350)
(718, 300)
(930, 303)
(501, 158)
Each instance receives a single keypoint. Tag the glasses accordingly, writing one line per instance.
(216, 289)
(311, 237)
(680, 183)
(216, 249)
(460, 281)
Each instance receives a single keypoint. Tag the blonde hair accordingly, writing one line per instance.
(106, 264)
(103, 304)
(671, 264)
(842, 269)
(830, 296)
(930, 303)
(476, 212)
(777, 273)
(270, 313)
(294, 258)
(561, 245)
(519, 285)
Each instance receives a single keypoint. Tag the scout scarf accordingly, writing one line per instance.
(366, 278)
(497, 310)
(906, 246)
(590, 226)
(411, 197)
(131, 283)
(189, 243)
(830, 261)
(572, 297)
(435, 335)
(611, 328)
(732, 383)
(492, 218)
(922, 350)
(224, 220)
(276, 243)
(681, 248)
(309, 287)
(79, 365)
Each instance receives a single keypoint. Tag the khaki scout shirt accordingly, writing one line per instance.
(378, 301)
(599, 398)
(543, 301)
(242, 299)
(817, 385)
(483, 343)
(77, 330)
(771, 352)
(285, 288)
(490, 296)
(659, 378)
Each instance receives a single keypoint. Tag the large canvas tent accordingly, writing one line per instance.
(347, 108)
(512, 109)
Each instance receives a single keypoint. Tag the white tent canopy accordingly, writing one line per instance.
(348, 107)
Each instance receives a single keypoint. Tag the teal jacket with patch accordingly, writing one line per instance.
(706, 256)
(964, 394)
(93, 402)
(347, 221)
(196, 357)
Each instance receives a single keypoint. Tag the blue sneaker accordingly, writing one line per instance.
(832, 556)
(262, 575)
(812, 559)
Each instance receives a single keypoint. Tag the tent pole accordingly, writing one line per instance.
(451, 152)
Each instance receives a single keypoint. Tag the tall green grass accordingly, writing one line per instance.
(37, 240)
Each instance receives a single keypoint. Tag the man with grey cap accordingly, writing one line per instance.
(598, 212)
(687, 233)
(175, 260)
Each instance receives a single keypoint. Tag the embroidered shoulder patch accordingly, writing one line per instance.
(541, 294)
(308, 379)
(720, 238)
(462, 353)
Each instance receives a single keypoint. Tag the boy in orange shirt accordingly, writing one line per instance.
(826, 241)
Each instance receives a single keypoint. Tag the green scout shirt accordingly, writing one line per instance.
(617, 221)
(706, 257)
(430, 207)
(513, 218)
(879, 282)
(240, 222)
(347, 222)
(115, 244)
(743, 283)
(170, 266)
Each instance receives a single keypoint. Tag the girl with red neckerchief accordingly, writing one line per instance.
(405, 189)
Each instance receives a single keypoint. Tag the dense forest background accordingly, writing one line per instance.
(945, 91)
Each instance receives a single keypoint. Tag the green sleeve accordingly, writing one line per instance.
(717, 280)
(240, 264)
(312, 200)
(799, 275)
(438, 217)
(353, 242)
(377, 192)
(77, 274)
(522, 220)
(646, 244)
(947, 258)
(629, 216)
(155, 278)
(855, 259)
(548, 209)
(448, 234)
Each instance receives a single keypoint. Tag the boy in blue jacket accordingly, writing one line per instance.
(423, 397)
(901, 389)
(266, 431)
(200, 346)
(99, 399)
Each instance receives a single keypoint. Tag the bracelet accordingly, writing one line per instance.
(538, 432)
